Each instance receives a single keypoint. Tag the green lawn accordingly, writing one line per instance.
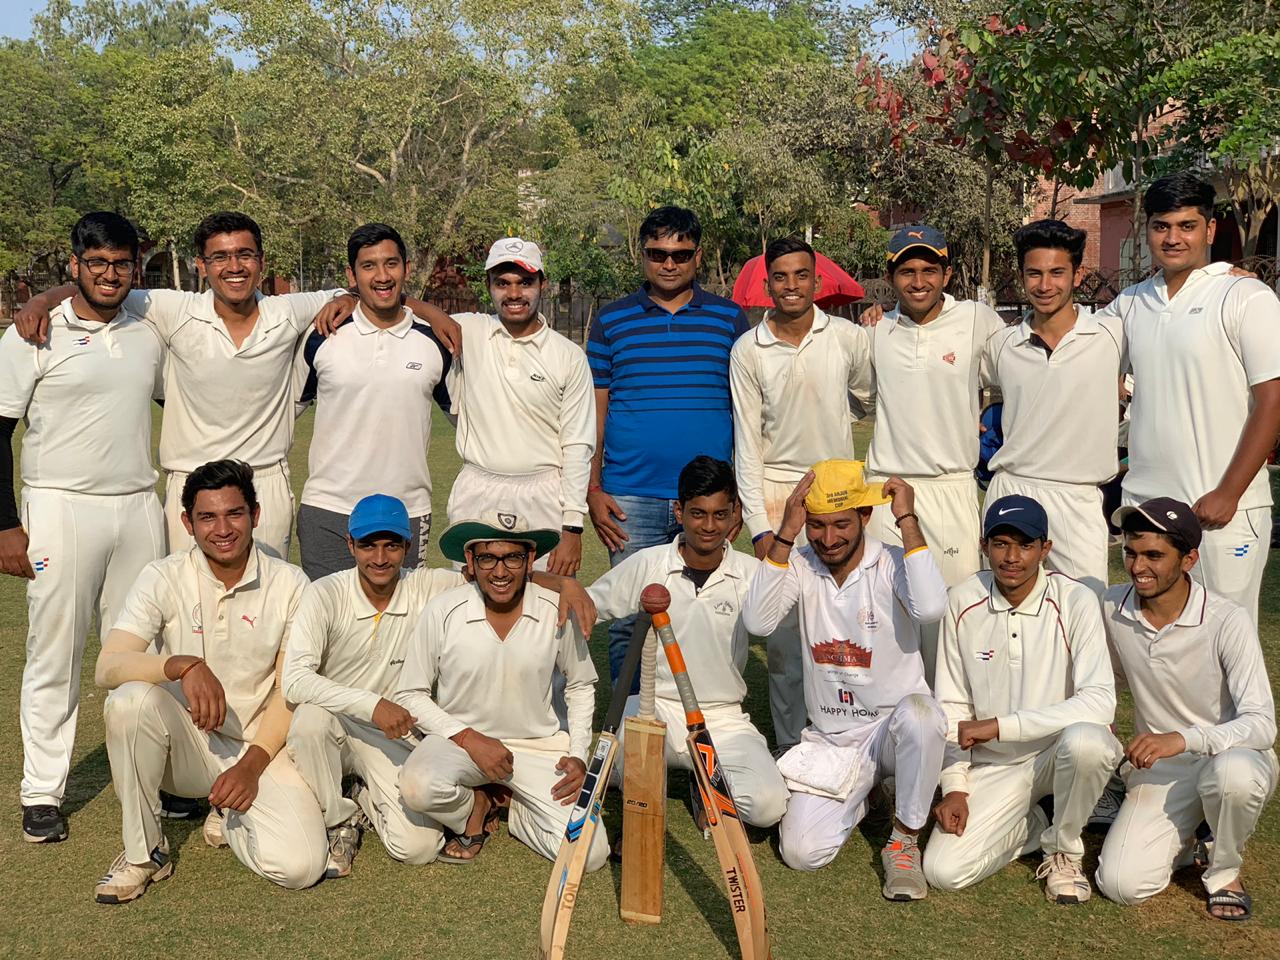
(216, 908)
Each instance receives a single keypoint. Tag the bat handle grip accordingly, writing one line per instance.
(648, 666)
(680, 673)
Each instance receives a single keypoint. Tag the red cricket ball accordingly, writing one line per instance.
(655, 598)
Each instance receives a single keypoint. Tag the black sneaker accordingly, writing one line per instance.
(43, 823)
(180, 808)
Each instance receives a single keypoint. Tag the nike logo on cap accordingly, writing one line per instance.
(1001, 513)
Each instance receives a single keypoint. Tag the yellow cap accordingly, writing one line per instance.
(839, 485)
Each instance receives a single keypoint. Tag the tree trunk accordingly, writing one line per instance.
(173, 264)
(1053, 202)
(984, 291)
(1135, 253)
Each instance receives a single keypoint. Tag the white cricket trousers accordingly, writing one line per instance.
(785, 652)
(1077, 525)
(439, 780)
(758, 789)
(1155, 831)
(86, 551)
(1005, 819)
(153, 745)
(275, 500)
(533, 497)
(907, 745)
(948, 510)
(324, 747)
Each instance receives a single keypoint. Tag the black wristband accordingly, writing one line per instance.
(779, 538)
(568, 529)
(897, 521)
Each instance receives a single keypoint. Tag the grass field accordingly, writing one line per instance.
(214, 907)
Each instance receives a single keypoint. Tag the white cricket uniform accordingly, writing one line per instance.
(1195, 357)
(793, 406)
(1061, 424)
(343, 658)
(88, 506)
(927, 383)
(526, 412)
(459, 674)
(1202, 676)
(708, 623)
(180, 608)
(224, 401)
(1041, 669)
(864, 686)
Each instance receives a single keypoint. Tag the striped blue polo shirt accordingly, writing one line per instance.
(668, 381)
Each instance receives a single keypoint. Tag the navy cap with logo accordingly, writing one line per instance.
(1019, 513)
(1168, 516)
(920, 235)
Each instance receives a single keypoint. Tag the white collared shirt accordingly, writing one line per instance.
(927, 379)
(861, 638)
(1195, 357)
(458, 674)
(373, 389)
(86, 398)
(1036, 668)
(794, 405)
(222, 400)
(343, 654)
(706, 621)
(525, 405)
(1061, 416)
(1202, 676)
(186, 611)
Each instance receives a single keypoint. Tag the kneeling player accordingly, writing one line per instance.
(1024, 680)
(707, 580)
(861, 606)
(1203, 710)
(477, 679)
(204, 714)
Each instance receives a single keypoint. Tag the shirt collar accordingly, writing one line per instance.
(1086, 325)
(247, 579)
(364, 608)
(675, 561)
(1217, 268)
(1192, 614)
(765, 335)
(69, 316)
(699, 297)
(475, 612)
(537, 338)
(896, 316)
(1031, 603)
(365, 326)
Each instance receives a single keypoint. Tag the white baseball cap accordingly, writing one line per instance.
(523, 253)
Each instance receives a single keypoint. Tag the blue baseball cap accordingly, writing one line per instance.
(919, 235)
(378, 513)
(1021, 513)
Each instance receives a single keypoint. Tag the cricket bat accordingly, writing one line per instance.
(644, 800)
(742, 881)
(571, 860)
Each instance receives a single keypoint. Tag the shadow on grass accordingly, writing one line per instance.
(706, 893)
(88, 778)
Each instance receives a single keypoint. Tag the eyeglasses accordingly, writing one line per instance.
(657, 255)
(97, 266)
(221, 258)
(512, 561)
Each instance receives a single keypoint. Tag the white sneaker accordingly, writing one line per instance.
(1064, 881)
(214, 832)
(125, 881)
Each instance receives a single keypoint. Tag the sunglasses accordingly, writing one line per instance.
(655, 255)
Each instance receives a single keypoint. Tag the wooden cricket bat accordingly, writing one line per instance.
(644, 801)
(741, 879)
(571, 861)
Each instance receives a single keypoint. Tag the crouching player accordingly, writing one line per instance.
(861, 606)
(477, 680)
(1024, 678)
(707, 580)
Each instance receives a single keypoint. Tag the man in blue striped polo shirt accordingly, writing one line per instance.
(660, 361)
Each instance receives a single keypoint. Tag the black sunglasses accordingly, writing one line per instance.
(656, 255)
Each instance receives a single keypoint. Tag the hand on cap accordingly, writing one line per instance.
(794, 513)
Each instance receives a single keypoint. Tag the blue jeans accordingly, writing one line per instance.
(650, 521)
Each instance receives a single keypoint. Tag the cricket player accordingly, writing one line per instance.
(1206, 406)
(383, 360)
(1202, 709)
(799, 379)
(477, 680)
(1025, 681)
(341, 669)
(193, 665)
(526, 409)
(227, 373)
(926, 357)
(861, 606)
(707, 580)
(90, 520)
(1059, 375)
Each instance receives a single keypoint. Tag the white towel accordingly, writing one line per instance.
(820, 768)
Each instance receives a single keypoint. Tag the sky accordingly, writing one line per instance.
(15, 17)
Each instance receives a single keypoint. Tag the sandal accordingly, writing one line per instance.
(1230, 898)
(465, 841)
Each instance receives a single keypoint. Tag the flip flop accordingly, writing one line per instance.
(1230, 898)
(466, 841)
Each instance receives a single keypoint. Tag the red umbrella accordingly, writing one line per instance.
(838, 287)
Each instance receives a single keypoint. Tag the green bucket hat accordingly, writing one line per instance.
(494, 525)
